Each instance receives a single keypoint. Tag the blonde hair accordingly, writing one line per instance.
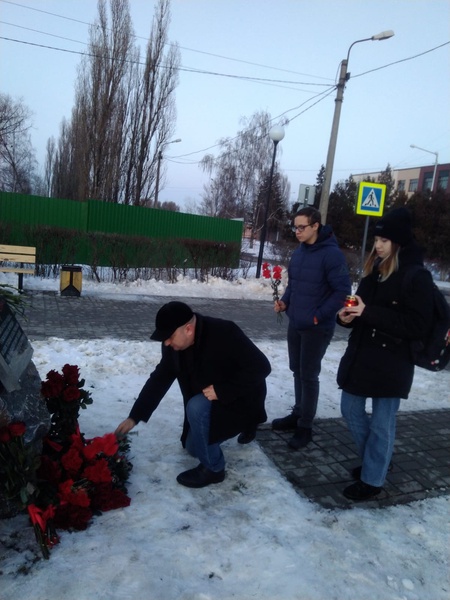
(387, 265)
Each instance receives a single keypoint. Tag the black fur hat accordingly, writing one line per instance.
(396, 226)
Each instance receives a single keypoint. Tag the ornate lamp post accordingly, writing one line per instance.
(276, 134)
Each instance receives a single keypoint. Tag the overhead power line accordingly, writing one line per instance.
(239, 60)
(185, 69)
(396, 62)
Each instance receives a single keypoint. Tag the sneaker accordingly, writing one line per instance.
(285, 423)
(361, 491)
(301, 438)
(356, 472)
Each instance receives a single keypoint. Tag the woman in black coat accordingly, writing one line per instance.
(377, 362)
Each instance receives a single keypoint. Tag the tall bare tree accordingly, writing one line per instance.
(17, 158)
(153, 111)
(124, 110)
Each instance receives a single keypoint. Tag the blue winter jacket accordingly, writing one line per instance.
(318, 282)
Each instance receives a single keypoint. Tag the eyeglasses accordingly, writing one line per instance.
(300, 227)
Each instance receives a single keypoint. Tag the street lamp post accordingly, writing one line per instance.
(158, 169)
(276, 134)
(344, 76)
(435, 163)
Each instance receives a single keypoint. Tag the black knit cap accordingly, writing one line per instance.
(169, 317)
(396, 226)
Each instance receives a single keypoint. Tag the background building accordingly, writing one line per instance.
(414, 179)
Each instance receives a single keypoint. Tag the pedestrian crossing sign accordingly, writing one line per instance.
(371, 198)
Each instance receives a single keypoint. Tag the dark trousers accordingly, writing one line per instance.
(306, 350)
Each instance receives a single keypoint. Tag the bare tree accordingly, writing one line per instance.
(17, 158)
(239, 172)
(101, 97)
(49, 165)
(153, 109)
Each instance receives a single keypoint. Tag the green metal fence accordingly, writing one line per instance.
(91, 232)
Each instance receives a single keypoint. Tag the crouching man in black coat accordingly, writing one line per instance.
(222, 378)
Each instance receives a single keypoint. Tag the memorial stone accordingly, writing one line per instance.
(20, 388)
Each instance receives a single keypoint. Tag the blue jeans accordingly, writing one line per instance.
(306, 350)
(374, 435)
(198, 412)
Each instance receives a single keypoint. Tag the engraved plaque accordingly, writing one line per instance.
(15, 349)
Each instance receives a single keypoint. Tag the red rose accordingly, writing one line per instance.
(54, 376)
(72, 517)
(71, 374)
(52, 389)
(119, 499)
(76, 441)
(107, 498)
(17, 429)
(277, 272)
(106, 445)
(71, 393)
(72, 495)
(72, 461)
(98, 472)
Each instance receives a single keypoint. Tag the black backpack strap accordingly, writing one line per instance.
(409, 275)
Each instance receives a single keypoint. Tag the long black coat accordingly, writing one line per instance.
(222, 356)
(377, 361)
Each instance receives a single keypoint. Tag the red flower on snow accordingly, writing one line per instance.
(106, 445)
(72, 461)
(73, 494)
(98, 472)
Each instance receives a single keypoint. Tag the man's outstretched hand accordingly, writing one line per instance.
(125, 427)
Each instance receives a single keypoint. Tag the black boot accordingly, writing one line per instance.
(200, 477)
(360, 491)
(247, 436)
(285, 423)
(301, 438)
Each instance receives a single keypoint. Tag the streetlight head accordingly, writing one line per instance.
(384, 35)
(412, 146)
(276, 133)
(175, 141)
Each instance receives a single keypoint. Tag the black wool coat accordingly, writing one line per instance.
(377, 362)
(222, 356)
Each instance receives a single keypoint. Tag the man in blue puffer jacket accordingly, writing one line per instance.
(318, 282)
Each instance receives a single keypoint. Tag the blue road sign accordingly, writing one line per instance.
(371, 198)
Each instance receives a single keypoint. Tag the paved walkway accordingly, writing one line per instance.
(320, 472)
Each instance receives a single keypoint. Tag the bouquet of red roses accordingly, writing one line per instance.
(85, 477)
(74, 478)
(274, 274)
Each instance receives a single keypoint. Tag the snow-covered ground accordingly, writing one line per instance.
(252, 536)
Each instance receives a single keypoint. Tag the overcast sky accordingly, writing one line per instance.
(390, 101)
